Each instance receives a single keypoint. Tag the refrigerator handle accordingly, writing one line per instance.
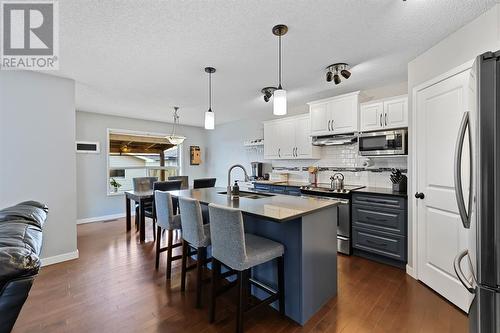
(458, 270)
(464, 214)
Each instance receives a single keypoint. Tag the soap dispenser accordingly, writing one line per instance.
(236, 191)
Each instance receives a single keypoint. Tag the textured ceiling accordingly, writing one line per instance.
(140, 58)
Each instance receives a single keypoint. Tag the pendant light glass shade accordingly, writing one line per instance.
(279, 102)
(173, 138)
(209, 120)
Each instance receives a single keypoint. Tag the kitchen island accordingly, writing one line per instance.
(307, 227)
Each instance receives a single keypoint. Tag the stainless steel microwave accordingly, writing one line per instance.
(393, 142)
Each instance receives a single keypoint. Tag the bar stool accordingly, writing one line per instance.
(166, 220)
(240, 251)
(195, 235)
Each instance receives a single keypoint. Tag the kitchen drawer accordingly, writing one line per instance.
(262, 187)
(278, 189)
(391, 246)
(382, 219)
(379, 200)
(293, 190)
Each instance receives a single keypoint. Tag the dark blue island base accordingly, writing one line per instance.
(310, 260)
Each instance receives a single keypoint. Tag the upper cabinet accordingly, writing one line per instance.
(384, 114)
(336, 115)
(289, 138)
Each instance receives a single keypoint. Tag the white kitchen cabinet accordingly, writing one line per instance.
(396, 113)
(289, 138)
(384, 114)
(371, 116)
(336, 115)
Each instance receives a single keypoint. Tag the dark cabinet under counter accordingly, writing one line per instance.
(380, 227)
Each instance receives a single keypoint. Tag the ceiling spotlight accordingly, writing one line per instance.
(335, 69)
(336, 78)
(345, 73)
(329, 76)
(268, 93)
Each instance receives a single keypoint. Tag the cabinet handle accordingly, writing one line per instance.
(375, 243)
(333, 128)
(375, 219)
(329, 125)
(380, 119)
(279, 152)
(296, 154)
(386, 119)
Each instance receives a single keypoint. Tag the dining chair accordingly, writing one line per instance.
(142, 184)
(169, 185)
(185, 181)
(204, 182)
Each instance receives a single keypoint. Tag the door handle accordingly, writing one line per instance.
(460, 274)
(464, 214)
(419, 195)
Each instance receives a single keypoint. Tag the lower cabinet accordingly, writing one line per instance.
(379, 228)
(278, 189)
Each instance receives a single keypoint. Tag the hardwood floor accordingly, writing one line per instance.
(113, 287)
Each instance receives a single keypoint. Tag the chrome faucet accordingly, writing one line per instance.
(229, 177)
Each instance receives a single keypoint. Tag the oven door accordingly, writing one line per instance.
(383, 143)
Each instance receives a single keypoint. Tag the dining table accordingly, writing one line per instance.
(142, 198)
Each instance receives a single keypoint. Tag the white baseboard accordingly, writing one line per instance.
(411, 272)
(101, 218)
(60, 258)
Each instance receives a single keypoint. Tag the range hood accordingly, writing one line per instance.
(334, 140)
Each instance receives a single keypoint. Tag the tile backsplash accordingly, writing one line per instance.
(357, 170)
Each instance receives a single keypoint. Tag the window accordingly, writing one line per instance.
(134, 154)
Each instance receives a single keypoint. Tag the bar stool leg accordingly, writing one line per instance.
(158, 244)
(200, 262)
(242, 299)
(281, 284)
(185, 254)
(213, 291)
(169, 254)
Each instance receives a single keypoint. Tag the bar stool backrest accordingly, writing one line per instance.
(227, 235)
(192, 222)
(204, 182)
(164, 209)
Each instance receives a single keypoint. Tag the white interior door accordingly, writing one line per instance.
(440, 235)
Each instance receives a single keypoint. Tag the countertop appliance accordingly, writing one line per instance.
(480, 211)
(343, 213)
(393, 142)
(259, 170)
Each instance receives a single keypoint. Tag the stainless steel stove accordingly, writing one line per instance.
(327, 190)
(343, 212)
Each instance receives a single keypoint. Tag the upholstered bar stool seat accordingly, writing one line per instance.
(240, 251)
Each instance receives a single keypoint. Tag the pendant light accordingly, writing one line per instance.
(279, 95)
(173, 138)
(209, 115)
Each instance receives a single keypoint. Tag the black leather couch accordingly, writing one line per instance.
(20, 244)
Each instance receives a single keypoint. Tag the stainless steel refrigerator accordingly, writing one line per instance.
(478, 152)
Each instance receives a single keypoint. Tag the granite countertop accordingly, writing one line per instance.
(381, 190)
(275, 207)
(281, 183)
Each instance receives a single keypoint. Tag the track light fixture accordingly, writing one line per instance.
(268, 93)
(332, 72)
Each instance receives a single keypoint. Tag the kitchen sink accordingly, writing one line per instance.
(250, 195)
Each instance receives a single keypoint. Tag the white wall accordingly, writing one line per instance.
(93, 200)
(37, 153)
(480, 35)
(226, 141)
